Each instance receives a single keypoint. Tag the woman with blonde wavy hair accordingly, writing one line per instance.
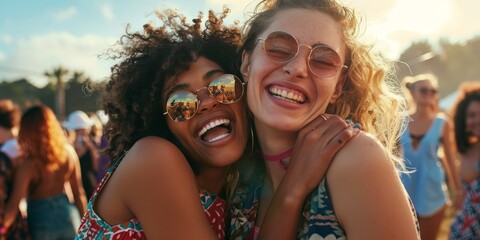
(50, 163)
(305, 67)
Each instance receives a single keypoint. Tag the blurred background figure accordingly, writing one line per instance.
(101, 143)
(49, 162)
(87, 152)
(10, 157)
(466, 112)
(427, 131)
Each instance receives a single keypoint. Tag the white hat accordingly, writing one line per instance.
(78, 120)
(102, 116)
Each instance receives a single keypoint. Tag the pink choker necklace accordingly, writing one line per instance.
(277, 158)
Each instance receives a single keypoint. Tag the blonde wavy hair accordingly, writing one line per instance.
(42, 138)
(372, 95)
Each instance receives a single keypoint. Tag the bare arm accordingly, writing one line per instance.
(313, 152)
(23, 177)
(450, 164)
(159, 188)
(75, 181)
(369, 199)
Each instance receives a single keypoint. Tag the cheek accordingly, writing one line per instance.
(470, 122)
(179, 130)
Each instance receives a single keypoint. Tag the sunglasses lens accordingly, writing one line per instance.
(181, 106)
(226, 89)
(427, 91)
(324, 61)
(283, 47)
(280, 46)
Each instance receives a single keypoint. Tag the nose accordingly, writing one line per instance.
(298, 66)
(206, 101)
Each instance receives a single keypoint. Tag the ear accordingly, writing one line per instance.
(245, 67)
(338, 88)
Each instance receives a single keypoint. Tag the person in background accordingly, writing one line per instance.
(466, 116)
(10, 159)
(426, 132)
(98, 137)
(50, 162)
(302, 61)
(85, 147)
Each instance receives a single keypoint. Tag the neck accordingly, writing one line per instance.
(423, 111)
(272, 142)
(213, 179)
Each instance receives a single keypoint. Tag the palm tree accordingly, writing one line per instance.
(57, 74)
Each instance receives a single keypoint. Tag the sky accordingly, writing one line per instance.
(37, 36)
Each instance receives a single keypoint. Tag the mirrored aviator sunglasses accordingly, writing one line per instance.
(282, 47)
(183, 105)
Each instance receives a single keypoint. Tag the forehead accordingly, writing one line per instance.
(309, 27)
(473, 106)
(195, 75)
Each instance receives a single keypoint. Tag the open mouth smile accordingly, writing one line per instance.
(215, 130)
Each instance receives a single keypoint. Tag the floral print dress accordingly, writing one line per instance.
(466, 225)
(93, 227)
(19, 228)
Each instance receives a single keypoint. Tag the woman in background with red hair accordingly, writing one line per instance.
(50, 162)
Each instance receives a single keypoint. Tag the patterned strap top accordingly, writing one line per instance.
(94, 227)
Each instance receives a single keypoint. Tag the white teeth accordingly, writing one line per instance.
(213, 124)
(218, 137)
(290, 96)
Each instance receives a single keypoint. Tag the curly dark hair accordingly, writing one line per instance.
(469, 92)
(132, 96)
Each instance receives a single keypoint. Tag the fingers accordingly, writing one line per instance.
(328, 130)
(318, 122)
(341, 138)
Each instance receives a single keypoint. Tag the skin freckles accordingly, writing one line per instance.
(266, 77)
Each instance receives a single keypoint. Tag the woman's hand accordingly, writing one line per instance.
(316, 146)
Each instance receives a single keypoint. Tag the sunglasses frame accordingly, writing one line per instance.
(430, 91)
(298, 50)
(195, 93)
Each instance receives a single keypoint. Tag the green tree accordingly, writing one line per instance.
(57, 75)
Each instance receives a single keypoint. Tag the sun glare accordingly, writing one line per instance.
(425, 17)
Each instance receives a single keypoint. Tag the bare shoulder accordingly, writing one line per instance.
(363, 171)
(444, 116)
(27, 169)
(156, 148)
(154, 154)
(72, 157)
(362, 162)
(70, 150)
(144, 181)
(362, 153)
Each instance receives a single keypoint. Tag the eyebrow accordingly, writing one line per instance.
(207, 76)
